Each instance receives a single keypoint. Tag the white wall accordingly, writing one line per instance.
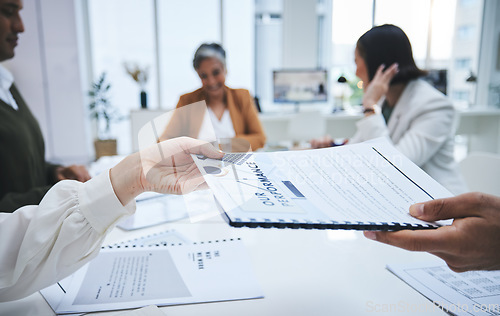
(300, 34)
(46, 71)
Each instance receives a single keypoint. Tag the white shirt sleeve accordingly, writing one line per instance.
(370, 127)
(42, 244)
(423, 138)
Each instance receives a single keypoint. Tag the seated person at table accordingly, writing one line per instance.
(232, 111)
(25, 175)
(418, 118)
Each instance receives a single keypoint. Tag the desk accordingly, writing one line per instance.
(480, 125)
(301, 272)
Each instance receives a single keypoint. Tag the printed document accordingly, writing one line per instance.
(369, 184)
(124, 278)
(468, 293)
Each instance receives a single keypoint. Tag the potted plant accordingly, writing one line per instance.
(139, 75)
(104, 114)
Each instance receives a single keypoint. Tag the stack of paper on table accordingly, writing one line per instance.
(124, 278)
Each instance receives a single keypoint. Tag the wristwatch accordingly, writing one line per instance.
(374, 109)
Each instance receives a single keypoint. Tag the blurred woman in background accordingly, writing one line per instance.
(418, 119)
(232, 111)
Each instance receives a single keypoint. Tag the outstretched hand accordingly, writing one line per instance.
(169, 168)
(166, 167)
(322, 142)
(379, 85)
(472, 242)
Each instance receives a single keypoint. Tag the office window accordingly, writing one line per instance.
(270, 38)
(441, 36)
(438, 30)
(465, 32)
(123, 31)
(463, 63)
(460, 95)
(346, 29)
(163, 36)
(413, 17)
(465, 52)
(469, 3)
(179, 34)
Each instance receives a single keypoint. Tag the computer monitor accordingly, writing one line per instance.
(300, 85)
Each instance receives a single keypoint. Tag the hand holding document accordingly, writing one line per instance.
(367, 186)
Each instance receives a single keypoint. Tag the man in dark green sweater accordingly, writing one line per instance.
(25, 176)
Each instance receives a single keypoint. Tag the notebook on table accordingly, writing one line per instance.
(366, 186)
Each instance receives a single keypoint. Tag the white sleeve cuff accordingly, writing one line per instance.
(371, 121)
(370, 127)
(100, 205)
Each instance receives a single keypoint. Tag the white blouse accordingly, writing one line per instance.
(42, 244)
(224, 127)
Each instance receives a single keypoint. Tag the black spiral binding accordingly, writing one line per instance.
(320, 224)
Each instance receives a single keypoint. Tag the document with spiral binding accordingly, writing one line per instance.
(124, 277)
(367, 186)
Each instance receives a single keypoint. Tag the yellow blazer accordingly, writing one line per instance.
(241, 108)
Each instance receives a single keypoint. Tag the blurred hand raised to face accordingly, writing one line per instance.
(166, 167)
(379, 85)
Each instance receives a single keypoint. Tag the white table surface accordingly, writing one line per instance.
(302, 272)
(480, 124)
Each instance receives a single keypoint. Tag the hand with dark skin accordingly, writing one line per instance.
(322, 142)
(472, 242)
(73, 172)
